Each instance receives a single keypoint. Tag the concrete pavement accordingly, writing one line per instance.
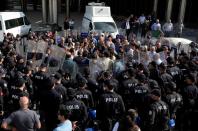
(35, 18)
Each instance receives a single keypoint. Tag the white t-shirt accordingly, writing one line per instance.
(142, 19)
(127, 25)
(168, 27)
(156, 26)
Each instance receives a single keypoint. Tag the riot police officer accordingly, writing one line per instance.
(190, 99)
(77, 108)
(158, 113)
(126, 88)
(110, 107)
(174, 71)
(16, 93)
(139, 93)
(174, 101)
(39, 80)
(83, 94)
(60, 88)
(4, 92)
(165, 78)
(28, 82)
(20, 63)
(91, 84)
(49, 104)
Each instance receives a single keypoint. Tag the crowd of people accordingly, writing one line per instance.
(150, 24)
(103, 84)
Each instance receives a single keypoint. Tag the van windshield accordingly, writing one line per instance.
(105, 26)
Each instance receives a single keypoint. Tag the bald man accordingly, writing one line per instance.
(24, 119)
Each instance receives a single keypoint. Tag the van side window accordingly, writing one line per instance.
(0, 26)
(26, 21)
(14, 23)
(11, 23)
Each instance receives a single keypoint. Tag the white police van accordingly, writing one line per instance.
(15, 23)
(98, 18)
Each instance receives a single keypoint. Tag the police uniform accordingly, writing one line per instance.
(176, 73)
(139, 93)
(158, 114)
(10, 78)
(85, 96)
(93, 87)
(175, 103)
(16, 93)
(77, 108)
(190, 95)
(39, 81)
(173, 99)
(15, 96)
(49, 104)
(110, 108)
(29, 86)
(165, 78)
(60, 88)
(62, 91)
(4, 95)
(126, 91)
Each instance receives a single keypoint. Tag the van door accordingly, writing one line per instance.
(1, 32)
(22, 27)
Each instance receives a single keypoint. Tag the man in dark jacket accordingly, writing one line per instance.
(158, 113)
(110, 107)
(77, 108)
(49, 104)
(83, 94)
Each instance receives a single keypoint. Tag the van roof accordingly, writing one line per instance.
(98, 11)
(8, 15)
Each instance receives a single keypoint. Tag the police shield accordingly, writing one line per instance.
(21, 46)
(56, 59)
(40, 52)
(36, 51)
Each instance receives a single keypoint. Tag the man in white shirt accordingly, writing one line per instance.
(168, 28)
(127, 26)
(142, 19)
(156, 26)
(179, 28)
(152, 53)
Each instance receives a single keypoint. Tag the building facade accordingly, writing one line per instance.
(164, 9)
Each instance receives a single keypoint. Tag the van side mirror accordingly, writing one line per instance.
(90, 26)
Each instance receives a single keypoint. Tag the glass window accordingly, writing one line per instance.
(26, 21)
(20, 20)
(11, 23)
(0, 26)
(105, 26)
